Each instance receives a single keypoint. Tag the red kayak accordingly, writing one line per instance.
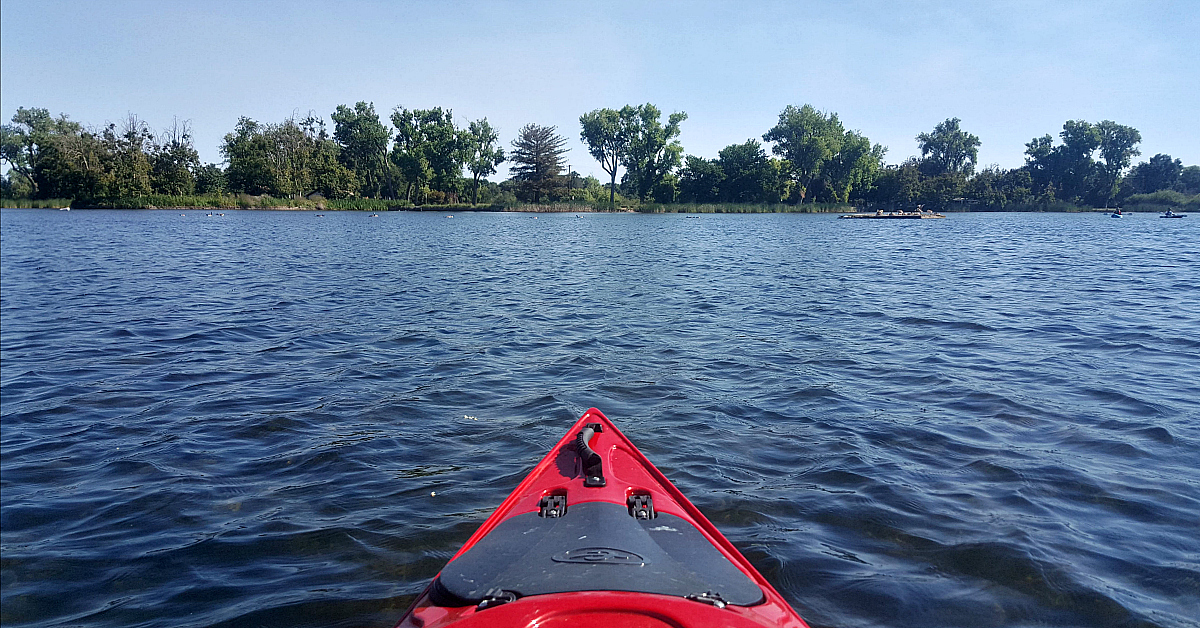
(597, 536)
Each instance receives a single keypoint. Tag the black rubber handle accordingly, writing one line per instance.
(593, 467)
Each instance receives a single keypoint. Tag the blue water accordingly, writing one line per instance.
(988, 420)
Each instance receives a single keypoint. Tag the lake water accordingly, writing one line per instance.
(987, 420)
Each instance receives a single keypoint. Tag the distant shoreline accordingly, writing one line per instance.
(532, 209)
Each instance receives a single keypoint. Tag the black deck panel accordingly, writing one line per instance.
(596, 546)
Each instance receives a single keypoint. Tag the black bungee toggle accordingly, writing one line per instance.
(708, 597)
(593, 469)
(496, 597)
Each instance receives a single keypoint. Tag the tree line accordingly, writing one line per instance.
(422, 156)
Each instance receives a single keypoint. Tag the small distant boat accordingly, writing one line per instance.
(1171, 214)
(1117, 214)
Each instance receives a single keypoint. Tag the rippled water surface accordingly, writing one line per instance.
(988, 420)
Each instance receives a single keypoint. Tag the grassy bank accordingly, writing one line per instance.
(561, 207)
(1158, 202)
(673, 208)
(743, 208)
(241, 201)
(215, 201)
(365, 204)
(1161, 201)
(1055, 207)
(45, 203)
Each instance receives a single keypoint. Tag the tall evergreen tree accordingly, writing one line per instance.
(538, 159)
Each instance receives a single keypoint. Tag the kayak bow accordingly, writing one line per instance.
(596, 535)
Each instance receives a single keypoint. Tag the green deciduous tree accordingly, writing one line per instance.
(1069, 172)
(1039, 157)
(537, 159)
(822, 157)
(289, 159)
(34, 135)
(853, 167)
(1189, 180)
(75, 164)
(129, 146)
(482, 152)
(363, 141)
(19, 145)
(807, 139)
(948, 149)
(1117, 148)
(653, 149)
(210, 179)
(898, 185)
(1074, 159)
(996, 188)
(427, 150)
(246, 150)
(666, 190)
(700, 180)
(1067, 167)
(9, 188)
(409, 152)
(1160, 173)
(749, 176)
(174, 160)
(606, 132)
(321, 157)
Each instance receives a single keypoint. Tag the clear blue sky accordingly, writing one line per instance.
(1010, 70)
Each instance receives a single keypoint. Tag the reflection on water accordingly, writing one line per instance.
(273, 420)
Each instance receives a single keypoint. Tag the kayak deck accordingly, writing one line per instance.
(597, 534)
(595, 546)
